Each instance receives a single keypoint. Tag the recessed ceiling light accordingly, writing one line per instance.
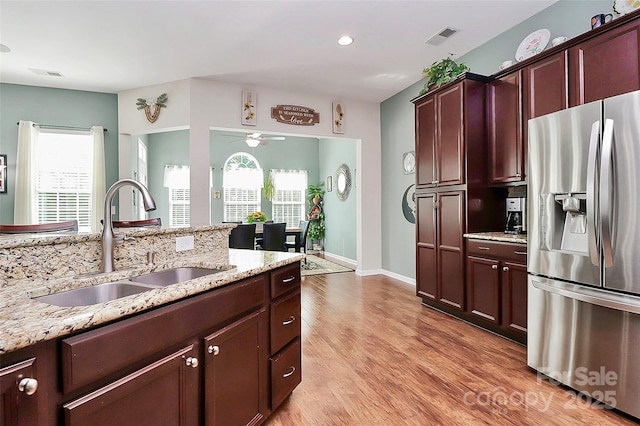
(4, 48)
(345, 40)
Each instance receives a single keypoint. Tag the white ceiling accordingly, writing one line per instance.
(112, 46)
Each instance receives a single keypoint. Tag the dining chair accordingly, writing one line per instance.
(156, 221)
(304, 228)
(71, 225)
(243, 236)
(274, 236)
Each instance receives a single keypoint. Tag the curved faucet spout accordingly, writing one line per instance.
(108, 237)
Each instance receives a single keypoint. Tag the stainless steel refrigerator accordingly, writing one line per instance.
(584, 249)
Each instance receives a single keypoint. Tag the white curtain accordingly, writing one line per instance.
(177, 177)
(289, 179)
(25, 190)
(243, 178)
(99, 186)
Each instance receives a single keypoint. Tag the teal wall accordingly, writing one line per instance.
(340, 216)
(55, 107)
(568, 18)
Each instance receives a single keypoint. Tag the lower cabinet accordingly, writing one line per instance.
(228, 357)
(497, 287)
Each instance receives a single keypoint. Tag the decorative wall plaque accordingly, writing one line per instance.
(294, 114)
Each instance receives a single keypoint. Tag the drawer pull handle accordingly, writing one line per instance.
(215, 350)
(494, 266)
(289, 321)
(192, 362)
(288, 280)
(524, 253)
(484, 248)
(293, 370)
(28, 386)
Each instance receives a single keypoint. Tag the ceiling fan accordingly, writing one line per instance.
(255, 139)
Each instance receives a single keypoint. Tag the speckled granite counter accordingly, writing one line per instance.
(498, 236)
(26, 322)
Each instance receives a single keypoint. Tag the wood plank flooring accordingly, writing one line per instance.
(373, 355)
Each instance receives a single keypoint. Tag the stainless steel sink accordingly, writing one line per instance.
(95, 294)
(175, 275)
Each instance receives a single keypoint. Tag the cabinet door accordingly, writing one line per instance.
(164, 392)
(450, 148)
(514, 301)
(236, 381)
(483, 288)
(450, 226)
(505, 129)
(426, 142)
(17, 407)
(606, 65)
(426, 280)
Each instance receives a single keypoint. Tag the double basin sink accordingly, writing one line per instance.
(106, 292)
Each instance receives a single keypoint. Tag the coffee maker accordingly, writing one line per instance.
(516, 216)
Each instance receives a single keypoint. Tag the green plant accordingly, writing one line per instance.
(315, 190)
(317, 229)
(256, 217)
(269, 188)
(442, 71)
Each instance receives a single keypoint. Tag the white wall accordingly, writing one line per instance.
(202, 104)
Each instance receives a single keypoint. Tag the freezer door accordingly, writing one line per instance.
(620, 193)
(563, 150)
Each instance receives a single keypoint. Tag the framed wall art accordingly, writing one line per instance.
(338, 117)
(249, 105)
(3, 173)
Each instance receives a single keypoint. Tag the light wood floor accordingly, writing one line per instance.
(373, 355)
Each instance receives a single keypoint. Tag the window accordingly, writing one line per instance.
(288, 202)
(63, 177)
(176, 180)
(242, 182)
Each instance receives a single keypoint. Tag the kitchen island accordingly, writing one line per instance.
(203, 343)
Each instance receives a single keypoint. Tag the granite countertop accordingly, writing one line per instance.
(26, 322)
(498, 236)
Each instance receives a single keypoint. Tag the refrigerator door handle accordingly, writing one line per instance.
(592, 189)
(595, 296)
(605, 191)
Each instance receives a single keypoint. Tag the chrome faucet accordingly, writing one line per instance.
(109, 240)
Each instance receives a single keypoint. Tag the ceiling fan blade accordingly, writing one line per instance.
(273, 138)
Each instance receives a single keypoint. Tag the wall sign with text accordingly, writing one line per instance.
(294, 114)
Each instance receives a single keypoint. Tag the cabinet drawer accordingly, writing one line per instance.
(286, 373)
(492, 249)
(285, 321)
(285, 279)
(116, 348)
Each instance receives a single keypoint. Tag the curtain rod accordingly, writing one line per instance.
(53, 126)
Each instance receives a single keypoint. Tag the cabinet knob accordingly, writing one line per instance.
(192, 362)
(494, 266)
(505, 268)
(215, 350)
(28, 386)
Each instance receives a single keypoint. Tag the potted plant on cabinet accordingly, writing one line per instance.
(441, 72)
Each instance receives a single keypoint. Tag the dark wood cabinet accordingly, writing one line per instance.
(18, 394)
(207, 359)
(236, 372)
(497, 287)
(440, 247)
(605, 65)
(449, 122)
(506, 149)
(163, 392)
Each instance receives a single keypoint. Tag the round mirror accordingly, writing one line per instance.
(343, 181)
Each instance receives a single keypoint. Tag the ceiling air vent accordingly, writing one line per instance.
(46, 72)
(441, 36)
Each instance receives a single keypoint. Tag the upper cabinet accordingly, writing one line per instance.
(449, 122)
(606, 65)
(506, 159)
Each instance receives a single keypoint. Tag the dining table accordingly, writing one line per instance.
(293, 231)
